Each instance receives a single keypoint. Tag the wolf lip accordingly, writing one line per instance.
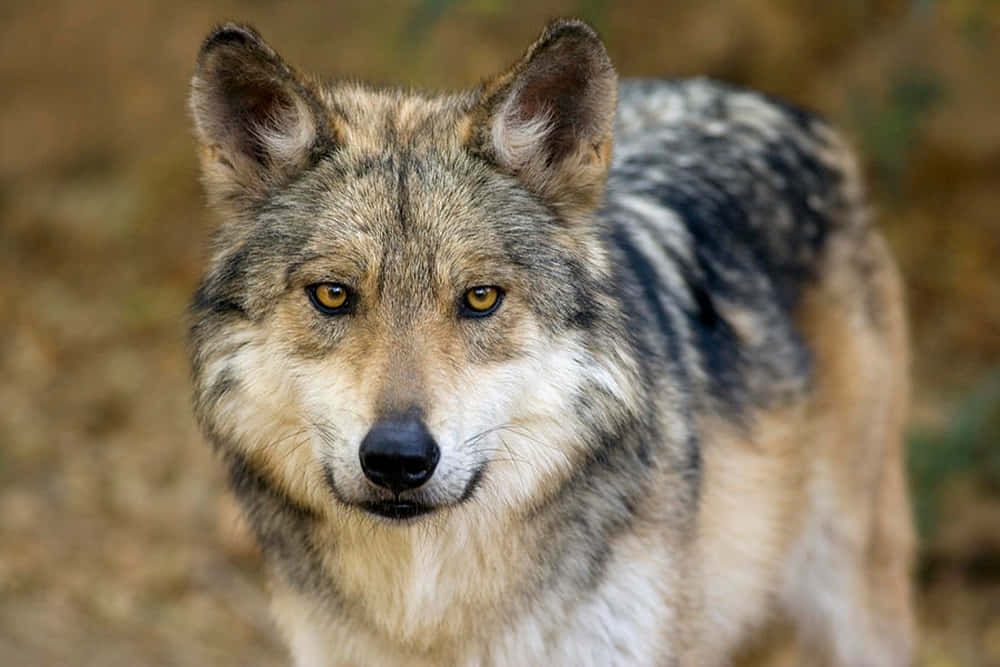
(396, 509)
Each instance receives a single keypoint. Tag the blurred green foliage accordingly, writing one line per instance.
(890, 123)
(966, 449)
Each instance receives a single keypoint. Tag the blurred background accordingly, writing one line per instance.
(118, 543)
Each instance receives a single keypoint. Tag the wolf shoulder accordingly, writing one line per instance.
(736, 207)
(754, 180)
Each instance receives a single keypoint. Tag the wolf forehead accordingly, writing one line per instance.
(399, 202)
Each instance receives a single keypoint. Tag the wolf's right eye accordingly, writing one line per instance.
(481, 301)
(329, 298)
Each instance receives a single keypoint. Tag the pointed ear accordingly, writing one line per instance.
(549, 120)
(258, 122)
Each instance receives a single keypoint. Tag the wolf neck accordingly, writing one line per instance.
(428, 588)
(425, 584)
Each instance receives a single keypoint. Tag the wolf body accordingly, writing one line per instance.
(680, 421)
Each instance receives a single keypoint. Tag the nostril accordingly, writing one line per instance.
(415, 467)
(376, 463)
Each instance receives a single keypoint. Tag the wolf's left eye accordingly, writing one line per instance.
(481, 301)
(329, 298)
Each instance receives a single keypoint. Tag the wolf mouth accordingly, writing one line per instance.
(399, 509)
(396, 509)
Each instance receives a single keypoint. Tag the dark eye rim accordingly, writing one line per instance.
(464, 310)
(343, 309)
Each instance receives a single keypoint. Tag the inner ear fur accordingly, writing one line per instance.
(549, 119)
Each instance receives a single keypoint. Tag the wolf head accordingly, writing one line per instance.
(409, 305)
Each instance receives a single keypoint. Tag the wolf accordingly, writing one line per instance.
(556, 370)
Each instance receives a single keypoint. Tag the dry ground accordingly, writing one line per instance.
(118, 545)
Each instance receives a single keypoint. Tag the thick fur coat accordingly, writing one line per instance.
(678, 422)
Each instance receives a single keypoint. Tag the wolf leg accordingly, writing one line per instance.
(847, 582)
(850, 598)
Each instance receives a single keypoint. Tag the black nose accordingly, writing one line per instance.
(399, 453)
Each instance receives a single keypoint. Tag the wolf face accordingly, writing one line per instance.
(472, 320)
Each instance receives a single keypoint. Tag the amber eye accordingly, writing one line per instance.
(329, 298)
(481, 301)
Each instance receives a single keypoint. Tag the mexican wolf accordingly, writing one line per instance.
(491, 392)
